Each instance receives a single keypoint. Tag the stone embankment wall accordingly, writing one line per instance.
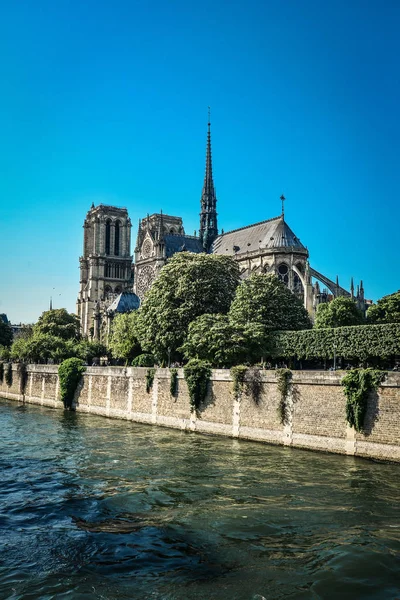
(316, 407)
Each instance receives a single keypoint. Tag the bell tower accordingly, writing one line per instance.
(106, 264)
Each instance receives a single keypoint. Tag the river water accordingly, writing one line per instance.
(95, 508)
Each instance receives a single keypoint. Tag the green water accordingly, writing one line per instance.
(104, 509)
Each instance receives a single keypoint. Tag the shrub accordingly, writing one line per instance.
(23, 377)
(150, 379)
(1, 372)
(70, 372)
(173, 384)
(144, 360)
(358, 384)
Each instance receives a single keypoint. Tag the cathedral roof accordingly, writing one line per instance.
(273, 233)
(181, 243)
(125, 302)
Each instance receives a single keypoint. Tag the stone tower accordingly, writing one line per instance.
(106, 264)
(208, 215)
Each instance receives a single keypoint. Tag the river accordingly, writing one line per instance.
(95, 508)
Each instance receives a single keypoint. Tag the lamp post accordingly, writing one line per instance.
(334, 356)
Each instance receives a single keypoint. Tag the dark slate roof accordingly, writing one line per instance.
(273, 233)
(125, 302)
(182, 243)
(3, 317)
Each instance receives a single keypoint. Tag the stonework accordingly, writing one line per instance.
(316, 404)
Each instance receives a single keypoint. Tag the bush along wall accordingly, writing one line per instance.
(360, 342)
(357, 386)
(197, 375)
(70, 372)
(8, 375)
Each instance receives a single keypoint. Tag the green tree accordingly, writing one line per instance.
(41, 347)
(124, 341)
(87, 350)
(340, 312)
(58, 323)
(386, 310)
(265, 300)
(6, 334)
(188, 286)
(216, 339)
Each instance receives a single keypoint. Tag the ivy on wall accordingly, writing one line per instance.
(150, 379)
(358, 384)
(23, 377)
(8, 375)
(173, 384)
(197, 375)
(70, 372)
(1, 372)
(238, 374)
(246, 379)
(284, 377)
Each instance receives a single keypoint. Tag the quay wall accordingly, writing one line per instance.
(315, 407)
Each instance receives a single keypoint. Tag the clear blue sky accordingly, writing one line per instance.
(107, 102)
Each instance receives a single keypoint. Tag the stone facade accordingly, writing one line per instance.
(316, 407)
(106, 263)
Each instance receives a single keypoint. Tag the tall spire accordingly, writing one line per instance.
(208, 215)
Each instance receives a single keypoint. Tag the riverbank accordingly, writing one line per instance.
(314, 407)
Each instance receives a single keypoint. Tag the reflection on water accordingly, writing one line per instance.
(97, 508)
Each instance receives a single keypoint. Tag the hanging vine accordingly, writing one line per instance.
(173, 384)
(358, 384)
(284, 377)
(197, 375)
(1, 372)
(9, 375)
(150, 379)
(238, 374)
(70, 372)
(23, 377)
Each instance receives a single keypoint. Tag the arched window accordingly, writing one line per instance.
(116, 239)
(118, 289)
(107, 291)
(108, 236)
(283, 273)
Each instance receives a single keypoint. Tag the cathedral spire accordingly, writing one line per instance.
(208, 215)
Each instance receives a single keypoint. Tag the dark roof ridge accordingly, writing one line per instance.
(248, 226)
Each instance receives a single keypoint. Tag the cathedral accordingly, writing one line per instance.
(114, 281)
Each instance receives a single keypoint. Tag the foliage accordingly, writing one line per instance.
(248, 379)
(5, 353)
(1, 372)
(70, 372)
(265, 300)
(238, 374)
(284, 377)
(173, 384)
(215, 339)
(340, 312)
(41, 347)
(23, 377)
(124, 341)
(357, 384)
(362, 342)
(197, 375)
(143, 360)
(58, 323)
(150, 379)
(386, 310)
(188, 286)
(6, 334)
(9, 375)
(87, 350)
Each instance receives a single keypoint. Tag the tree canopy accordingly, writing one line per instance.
(265, 300)
(340, 312)
(216, 339)
(188, 286)
(124, 341)
(386, 310)
(59, 323)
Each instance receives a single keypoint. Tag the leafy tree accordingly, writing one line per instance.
(340, 312)
(6, 334)
(87, 350)
(188, 286)
(216, 339)
(265, 300)
(41, 347)
(124, 341)
(58, 323)
(386, 310)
